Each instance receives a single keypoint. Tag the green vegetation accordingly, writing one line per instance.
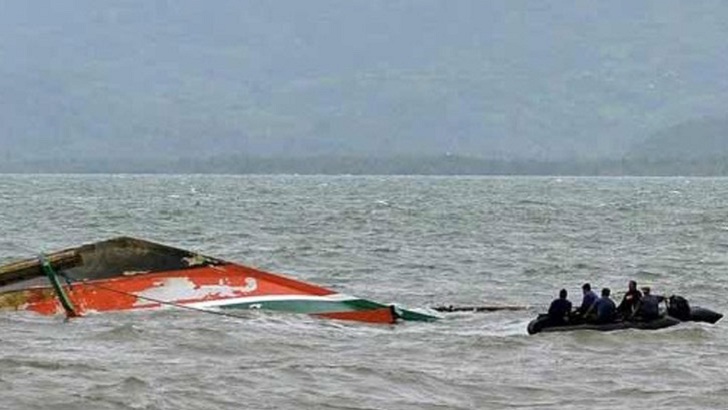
(409, 165)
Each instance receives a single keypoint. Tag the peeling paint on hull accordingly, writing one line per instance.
(223, 285)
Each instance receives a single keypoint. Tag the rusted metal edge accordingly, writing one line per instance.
(31, 268)
(73, 257)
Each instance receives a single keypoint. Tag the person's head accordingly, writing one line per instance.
(632, 285)
(606, 292)
(646, 290)
(586, 288)
(562, 294)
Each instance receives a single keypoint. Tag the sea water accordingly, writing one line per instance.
(413, 241)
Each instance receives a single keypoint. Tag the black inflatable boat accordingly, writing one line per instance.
(678, 311)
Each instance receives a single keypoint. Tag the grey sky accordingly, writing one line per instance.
(501, 79)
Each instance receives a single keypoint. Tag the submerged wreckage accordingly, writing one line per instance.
(124, 274)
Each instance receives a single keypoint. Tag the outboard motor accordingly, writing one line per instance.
(679, 308)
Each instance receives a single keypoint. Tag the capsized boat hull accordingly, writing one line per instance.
(164, 277)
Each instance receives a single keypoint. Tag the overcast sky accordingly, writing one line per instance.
(535, 79)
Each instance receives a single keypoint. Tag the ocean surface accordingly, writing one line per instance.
(414, 241)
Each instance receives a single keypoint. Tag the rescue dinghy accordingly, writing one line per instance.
(678, 310)
(124, 274)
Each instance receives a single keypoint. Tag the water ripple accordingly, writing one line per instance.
(416, 241)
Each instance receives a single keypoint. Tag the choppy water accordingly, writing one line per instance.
(417, 241)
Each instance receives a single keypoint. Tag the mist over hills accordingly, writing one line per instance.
(504, 80)
(690, 140)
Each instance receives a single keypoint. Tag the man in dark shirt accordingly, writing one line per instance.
(649, 305)
(560, 309)
(604, 308)
(588, 300)
(631, 301)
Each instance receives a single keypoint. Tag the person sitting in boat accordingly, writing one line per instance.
(587, 300)
(649, 308)
(630, 301)
(604, 309)
(678, 307)
(560, 309)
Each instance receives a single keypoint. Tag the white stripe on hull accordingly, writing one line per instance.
(337, 297)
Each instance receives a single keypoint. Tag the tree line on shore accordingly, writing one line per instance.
(396, 165)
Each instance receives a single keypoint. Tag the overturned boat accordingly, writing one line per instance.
(678, 311)
(124, 274)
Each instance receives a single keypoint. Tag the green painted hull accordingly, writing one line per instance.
(316, 307)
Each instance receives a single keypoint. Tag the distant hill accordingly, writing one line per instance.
(395, 165)
(499, 80)
(696, 139)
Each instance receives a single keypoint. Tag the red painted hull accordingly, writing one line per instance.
(208, 284)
